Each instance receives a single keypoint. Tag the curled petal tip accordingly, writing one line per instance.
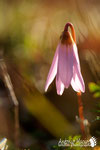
(59, 85)
(83, 87)
(59, 94)
(83, 90)
(45, 89)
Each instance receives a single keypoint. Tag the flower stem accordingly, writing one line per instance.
(80, 107)
(72, 30)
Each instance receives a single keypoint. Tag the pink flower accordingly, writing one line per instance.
(65, 65)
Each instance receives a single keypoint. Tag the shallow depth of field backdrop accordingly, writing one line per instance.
(29, 33)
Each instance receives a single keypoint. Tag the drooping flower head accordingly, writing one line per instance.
(65, 65)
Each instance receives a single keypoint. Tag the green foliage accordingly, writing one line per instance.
(93, 87)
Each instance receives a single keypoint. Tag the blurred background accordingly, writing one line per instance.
(29, 34)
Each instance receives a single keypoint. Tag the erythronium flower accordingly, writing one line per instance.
(65, 65)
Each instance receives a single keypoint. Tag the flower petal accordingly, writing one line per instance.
(59, 85)
(77, 81)
(53, 70)
(65, 64)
